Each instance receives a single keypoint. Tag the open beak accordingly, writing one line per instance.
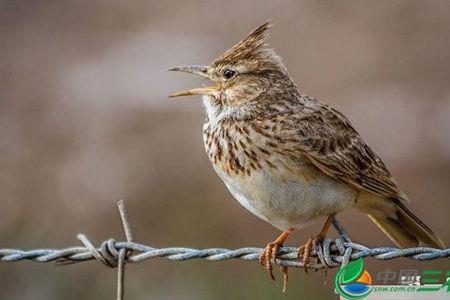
(198, 70)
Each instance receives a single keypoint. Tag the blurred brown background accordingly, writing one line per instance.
(85, 121)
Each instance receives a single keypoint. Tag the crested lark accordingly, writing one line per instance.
(289, 158)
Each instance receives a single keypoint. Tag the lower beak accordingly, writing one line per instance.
(198, 70)
(208, 90)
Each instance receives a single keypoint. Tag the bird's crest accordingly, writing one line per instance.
(253, 49)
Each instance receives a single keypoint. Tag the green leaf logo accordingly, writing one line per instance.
(347, 277)
(352, 271)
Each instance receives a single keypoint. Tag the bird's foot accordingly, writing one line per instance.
(304, 251)
(269, 255)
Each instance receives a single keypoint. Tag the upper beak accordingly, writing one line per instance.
(199, 70)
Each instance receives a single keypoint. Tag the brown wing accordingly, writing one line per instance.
(329, 142)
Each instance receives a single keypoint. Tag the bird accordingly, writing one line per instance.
(289, 158)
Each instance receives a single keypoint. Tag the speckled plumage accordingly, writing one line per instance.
(262, 162)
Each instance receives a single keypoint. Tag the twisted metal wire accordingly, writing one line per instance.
(329, 253)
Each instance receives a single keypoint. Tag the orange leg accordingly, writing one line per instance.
(304, 251)
(270, 252)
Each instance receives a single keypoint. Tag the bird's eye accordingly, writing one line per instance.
(228, 74)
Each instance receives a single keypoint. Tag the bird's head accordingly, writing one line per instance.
(241, 74)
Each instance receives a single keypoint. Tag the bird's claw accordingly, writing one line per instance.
(304, 251)
(268, 257)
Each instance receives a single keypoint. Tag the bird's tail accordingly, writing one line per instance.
(398, 222)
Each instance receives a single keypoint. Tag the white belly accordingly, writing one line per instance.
(286, 198)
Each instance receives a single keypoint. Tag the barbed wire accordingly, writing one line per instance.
(329, 253)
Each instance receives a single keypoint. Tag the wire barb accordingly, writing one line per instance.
(123, 253)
